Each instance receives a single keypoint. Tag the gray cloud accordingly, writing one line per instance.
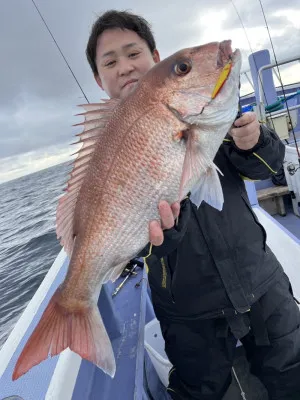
(38, 94)
(32, 161)
(35, 123)
(251, 14)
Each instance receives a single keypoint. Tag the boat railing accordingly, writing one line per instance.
(271, 66)
(285, 119)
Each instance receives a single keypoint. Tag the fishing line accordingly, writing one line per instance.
(249, 44)
(59, 49)
(280, 80)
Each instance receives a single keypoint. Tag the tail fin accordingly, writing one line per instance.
(82, 331)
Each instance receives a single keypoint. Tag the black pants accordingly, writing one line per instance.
(202, 355)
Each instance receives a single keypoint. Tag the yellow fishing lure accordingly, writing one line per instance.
(222, 79)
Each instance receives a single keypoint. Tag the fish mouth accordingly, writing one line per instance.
(225, 53)
(226, 59)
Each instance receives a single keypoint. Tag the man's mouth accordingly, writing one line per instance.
(128, 82)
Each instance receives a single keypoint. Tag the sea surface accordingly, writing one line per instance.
(28, 243)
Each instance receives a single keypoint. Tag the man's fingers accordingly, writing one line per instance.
(245, 130)
(166, 215)
(156, 234)
(246, 143)
(175, 209)
(245, 119)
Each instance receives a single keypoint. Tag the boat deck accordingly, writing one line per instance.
(291, 222)
(251, 386)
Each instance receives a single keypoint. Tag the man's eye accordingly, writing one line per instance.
(134, 54)
(110, 63)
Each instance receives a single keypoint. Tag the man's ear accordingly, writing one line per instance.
(156, 56)
(98, 80)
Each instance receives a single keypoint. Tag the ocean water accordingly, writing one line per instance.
(28, 243)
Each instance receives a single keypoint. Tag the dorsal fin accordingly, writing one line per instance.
(96, 117)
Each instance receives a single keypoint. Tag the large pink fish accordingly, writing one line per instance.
(158, 143)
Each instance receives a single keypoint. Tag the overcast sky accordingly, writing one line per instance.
(38, 94)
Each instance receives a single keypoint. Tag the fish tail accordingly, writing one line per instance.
(82, 331)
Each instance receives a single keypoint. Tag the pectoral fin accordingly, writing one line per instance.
(200, 176)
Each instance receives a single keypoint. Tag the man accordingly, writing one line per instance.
(213, 278)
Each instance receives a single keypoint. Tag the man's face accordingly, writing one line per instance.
(122, 58)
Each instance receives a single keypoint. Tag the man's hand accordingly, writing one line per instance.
(167, 214)
(247, 131)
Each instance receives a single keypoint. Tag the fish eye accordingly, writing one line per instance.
(183, 67)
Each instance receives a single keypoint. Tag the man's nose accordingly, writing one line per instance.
(125, 66)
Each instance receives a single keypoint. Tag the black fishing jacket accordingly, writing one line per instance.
(216, 263)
